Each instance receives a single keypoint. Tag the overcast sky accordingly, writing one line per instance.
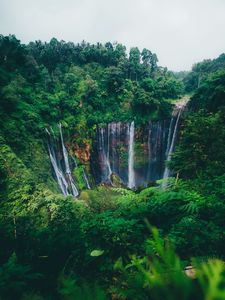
(180, 32)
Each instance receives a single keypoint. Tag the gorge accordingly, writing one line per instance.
(138, 156)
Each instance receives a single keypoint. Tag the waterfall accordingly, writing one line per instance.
(154, 144)
(75, 192)
(86, 180)
(149, 153)
(73, 186)
(115, 150)
(58, 172)
(104, 150)
(169, 137)
(107, 155)
(65, 181)
(171, 145)
(65, 153)
(112, 127)
(131, 175)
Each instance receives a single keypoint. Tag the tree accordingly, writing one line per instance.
(134, 63)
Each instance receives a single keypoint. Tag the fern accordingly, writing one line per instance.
(211, 276)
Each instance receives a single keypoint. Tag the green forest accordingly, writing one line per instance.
(111, 242)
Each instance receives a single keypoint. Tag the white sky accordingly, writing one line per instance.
(180, 32)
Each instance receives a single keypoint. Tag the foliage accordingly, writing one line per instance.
(98, 246)
(77, 84)
(200, 72)
(211, 94)
(69, 290)
(200, 151)
(160, 275)
(15, 278)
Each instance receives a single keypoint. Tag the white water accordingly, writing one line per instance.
(105, 153)
(73, 186)
(65, 182)
(65, 153)
(107, 156)
(47, 131)
(169, 137)
(170, 146)
(86, 180)
(131, 175)
(74, 189)
(112, 127)
(59, 174)
(149, 154)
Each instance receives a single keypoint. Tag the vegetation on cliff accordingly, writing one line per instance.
(102, 246)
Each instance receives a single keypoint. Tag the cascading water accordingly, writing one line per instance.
(65, 181)
(113, 153)
(58, 172)
(157, 133)
(65, 153)
(169, 137)
(154, 144)
(74, 189)
(112, 138)
(131, 174)
(104, 156)
(148, 165)
(107, 159)
(86, 180)
(171, 142)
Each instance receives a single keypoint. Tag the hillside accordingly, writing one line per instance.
(107, 171)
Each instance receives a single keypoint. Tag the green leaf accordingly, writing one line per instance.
(96, 253)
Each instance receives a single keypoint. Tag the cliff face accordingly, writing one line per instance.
(83, 153)
(112, 151)
(135, 155)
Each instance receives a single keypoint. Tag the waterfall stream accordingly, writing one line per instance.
(171, 142)
(104, 152)
(58, 172)
(131, 174)
(136, 155)
(113, 151)
(64, 178)
(86, 180)
(65, 153)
